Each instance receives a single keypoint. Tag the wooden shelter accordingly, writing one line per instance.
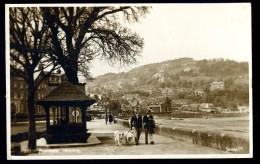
(65, 108)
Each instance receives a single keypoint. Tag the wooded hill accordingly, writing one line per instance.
(183, 72)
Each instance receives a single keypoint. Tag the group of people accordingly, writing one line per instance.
(138, 122)
(109, 118)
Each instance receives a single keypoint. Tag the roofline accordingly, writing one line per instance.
(87, 102)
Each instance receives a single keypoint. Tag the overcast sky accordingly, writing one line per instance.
(200, 31)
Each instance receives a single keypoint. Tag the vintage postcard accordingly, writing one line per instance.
(129, 81)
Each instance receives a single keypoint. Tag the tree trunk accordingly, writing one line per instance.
(31, 113)
(71, 68)
(71, 75)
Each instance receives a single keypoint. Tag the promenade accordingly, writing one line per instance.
(164, 147)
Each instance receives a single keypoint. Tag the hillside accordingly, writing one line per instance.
(183, 72)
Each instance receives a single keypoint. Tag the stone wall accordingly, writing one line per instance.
(227, 142)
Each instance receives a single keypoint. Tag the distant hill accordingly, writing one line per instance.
(183, 72)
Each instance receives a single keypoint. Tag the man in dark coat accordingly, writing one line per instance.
(149, 126)
(136, 122)
(110, 118)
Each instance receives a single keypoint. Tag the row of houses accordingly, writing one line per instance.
(158, 104)
(19, 93)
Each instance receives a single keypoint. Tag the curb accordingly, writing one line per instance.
(222, 141)
(92, 140)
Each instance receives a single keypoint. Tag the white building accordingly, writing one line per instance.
(217, 85)
(199, 92)
(207, 107)
(120, 84)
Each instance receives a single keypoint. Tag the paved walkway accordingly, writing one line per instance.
(164, 147)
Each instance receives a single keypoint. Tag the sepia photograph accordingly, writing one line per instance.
(129, 81)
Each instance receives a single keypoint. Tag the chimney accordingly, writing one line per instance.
(59, 71)
(40, 66)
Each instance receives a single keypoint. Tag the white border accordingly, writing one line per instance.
(8, 97)
(8, 121)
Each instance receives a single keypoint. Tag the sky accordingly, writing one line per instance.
(199, 31)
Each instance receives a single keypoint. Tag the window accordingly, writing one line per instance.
(22, 107)
(15, 84)
(15, 95)
(59, 115)
(21, 85)
(75, 115)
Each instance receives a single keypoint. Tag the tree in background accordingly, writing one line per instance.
(197, 99)
(219, 101)
(233, 106)
(114, 106)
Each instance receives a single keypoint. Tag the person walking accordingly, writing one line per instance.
(136, 123)
(110, 118)
(106, 118)
(149, 125)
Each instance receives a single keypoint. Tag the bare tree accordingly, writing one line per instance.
(69, 37)
(80, 34)
(29, 47)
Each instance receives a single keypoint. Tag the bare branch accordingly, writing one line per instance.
(94, 29)
(112, 11)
